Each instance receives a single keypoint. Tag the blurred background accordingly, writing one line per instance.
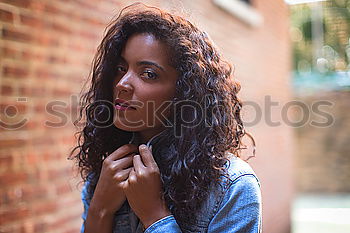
(320, 37)
(291, 58)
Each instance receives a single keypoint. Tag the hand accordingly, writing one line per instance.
(143, 188)
(109, 196)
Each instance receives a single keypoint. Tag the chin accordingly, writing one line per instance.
(126, 127)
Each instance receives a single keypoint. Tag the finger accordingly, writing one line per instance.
(132, 176)
(147, 156)
(124, 184)
(122, 175)
(123, 151)
(122, 163)
(138, 165)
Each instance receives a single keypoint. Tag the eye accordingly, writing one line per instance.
(121, 68)
(149, 74)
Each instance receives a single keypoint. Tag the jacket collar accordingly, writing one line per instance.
(135, 140)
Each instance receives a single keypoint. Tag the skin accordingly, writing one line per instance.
(126, 174)
(109, 194)
(146, 87)
(144, 178)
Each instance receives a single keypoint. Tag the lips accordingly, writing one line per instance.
(122, 104)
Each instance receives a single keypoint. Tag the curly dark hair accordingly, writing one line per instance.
(188, 163)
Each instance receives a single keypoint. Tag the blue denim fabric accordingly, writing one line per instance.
(234, 206)
(167, 224)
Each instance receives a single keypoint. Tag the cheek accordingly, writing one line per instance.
(156, 95)
(157, 106)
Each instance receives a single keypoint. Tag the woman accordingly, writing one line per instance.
(159, 151)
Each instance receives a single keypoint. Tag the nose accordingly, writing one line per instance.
(124, 84)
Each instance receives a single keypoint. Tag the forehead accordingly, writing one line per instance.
(146, 46)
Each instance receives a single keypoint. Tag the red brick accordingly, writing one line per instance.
(11, 229)
(23, 193)
(24, 91)
(19, 3)
(92, 21)
(8, 52)
(7, 143)
(11, 196)
(32, 125)
(6, 89)
(39, 91)
(37, 6)
(33, 91)
(62, 92)
(39, 107)
(89, 35)
(16, 35)
(51, 156)
(63, 189)
(32, 21)
(16, 53)
(44, 73)
(63, 28)
(6, 16)
(47, 39)
(32, 158)
(53, 58)
(4, 198)
(13, 108)
(32, 193)
(54, 174)
(41, 140)
(87, 5)
(37, 226)
(60, 221)
(16, 72)
(68, 140)
(29, 55)
(52, 9)
(12, 178)
(6, 160)
(20, 124)
(44, 207)
(41, 227)
(13, 214)
(73, 230)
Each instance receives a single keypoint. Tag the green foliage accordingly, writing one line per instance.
(336, 27)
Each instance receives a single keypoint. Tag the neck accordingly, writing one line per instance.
(145, 136)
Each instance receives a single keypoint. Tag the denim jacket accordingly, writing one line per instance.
(233, 207)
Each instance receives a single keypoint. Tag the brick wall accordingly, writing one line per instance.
(46, 49)
(323, 152)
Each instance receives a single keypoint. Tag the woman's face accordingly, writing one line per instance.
(146, 81)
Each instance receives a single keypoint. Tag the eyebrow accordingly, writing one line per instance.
(145, 63)
(150, 63)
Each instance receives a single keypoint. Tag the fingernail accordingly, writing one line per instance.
(143, 147)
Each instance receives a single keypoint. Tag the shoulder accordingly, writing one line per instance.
(239, 209)
(240, 171)
(242, 183)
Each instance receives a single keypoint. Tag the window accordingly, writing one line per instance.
(241, 9)
(246, 1)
